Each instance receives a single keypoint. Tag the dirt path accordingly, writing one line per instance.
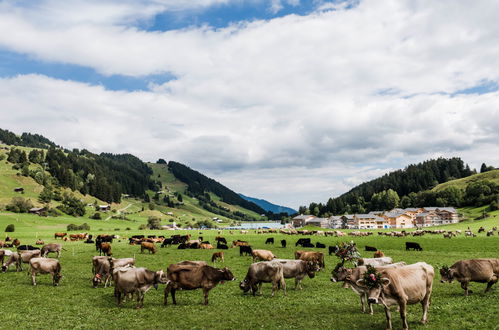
(118, 212)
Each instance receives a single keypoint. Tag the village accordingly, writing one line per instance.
(396, 218)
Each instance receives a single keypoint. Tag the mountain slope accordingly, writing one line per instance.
(267, 206)
(492, 176)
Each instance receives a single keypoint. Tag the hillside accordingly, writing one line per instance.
(492, 176)
(268, 206)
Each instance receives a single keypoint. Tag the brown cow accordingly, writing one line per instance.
(264, 272)
(262, 255)
(103, 266)
(16, 242)
(403, 286)
(379, 254)
(317, 257)
(217, 256)
(39, 242)
(61, 235)
(472, 270)
(51, 248)
(130, 280)
(45, 266)
(206, 246)
(147, 246)
(105, 248)
(239, 243)
(195, 277)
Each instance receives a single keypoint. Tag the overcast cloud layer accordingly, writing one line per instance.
(293, 109)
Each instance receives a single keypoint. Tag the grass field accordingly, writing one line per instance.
(320, 305)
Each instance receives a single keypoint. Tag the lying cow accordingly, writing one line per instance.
(45, 266)
(350, 276)
(264, 272)
(51, 248)
(317, 257)
(263, 255)
(17, 258)
(403, 286)
(102, 268)
(128, 280)
(375, 262)
(298, 269)
(191, 276)
(472, 270)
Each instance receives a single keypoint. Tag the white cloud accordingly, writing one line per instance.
(294, 109)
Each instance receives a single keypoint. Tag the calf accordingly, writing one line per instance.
(51, 248)
(283, 243)
(105, 248)
(403, 286)
(45, 266)
(263, 255)
(217, 256)
(472, 270)
(413, 245)
(245, 249)
(298, 269)
(148, 246)
(136, 280)
(270, 240)
(264, 272)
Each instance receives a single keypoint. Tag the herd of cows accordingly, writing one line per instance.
(376, 280)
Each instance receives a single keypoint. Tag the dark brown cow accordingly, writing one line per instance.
(402, 286)
(61, 235)
(147, 246)
(472, 270)
(217, 256)
(191, 277)
(16, 242)
(105, 248)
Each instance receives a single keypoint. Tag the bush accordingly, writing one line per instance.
(96, 216)
(19, 205)
(10, 228)
(494, 206)
(128, 228)
(154, 223)
(117, 229)
(73, 227)
(72, 206)
(143, 227)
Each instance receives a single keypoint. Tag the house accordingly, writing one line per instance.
(37, 210)
(318, 222)
(399, 219)
(427, 219)
(335, 222)
(348, 221)
(447, 214)
(300, 220)
(19, 189)
(370, 221)
(104, 208)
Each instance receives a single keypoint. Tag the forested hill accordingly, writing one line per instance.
(198, 184)
(25, 140)
(395, 188)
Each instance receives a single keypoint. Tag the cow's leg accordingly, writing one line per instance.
(140, 299)
(425, 304)
(363, 297)
(403, 314)
(464, 285)
(205, 293)
(33, 280)
(388, 317)
(173, 296)
(490, 284)
(167, 292)
(275, 286)
(283, 285)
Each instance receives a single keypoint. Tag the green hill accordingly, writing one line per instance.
(492, 176)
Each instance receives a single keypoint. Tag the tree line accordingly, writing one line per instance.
(25, 140)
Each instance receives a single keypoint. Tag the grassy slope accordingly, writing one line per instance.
(327, 305)
(463, 182)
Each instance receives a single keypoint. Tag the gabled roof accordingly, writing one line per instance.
(303, 217)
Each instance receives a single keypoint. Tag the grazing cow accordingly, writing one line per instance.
(264, 272)
(320, 245)
(375, 262)
(481, 230)
(167, 242)
(263, 255)
(61, 235)
(413, 245)
(25, 247)
(298, 269)
(39, 242)
(239, 243)
(490, 233)
(105, 248)
(350, 276)
(332, 249)
(217, 256)
(379, 254)
(403, 286)
(191, 276)
(270, 240)
(129, 280)
(102, 268)
(283, 243)
(302, 241)
(370, 248)
(52, 248)
(245, 249)
(221, 239)
(317, 257)
(472, 270)
(222, 246)
(45, 266)
(148, 246)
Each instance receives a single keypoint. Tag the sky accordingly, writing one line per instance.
(291, 101)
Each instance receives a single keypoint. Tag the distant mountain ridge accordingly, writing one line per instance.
(267, 206)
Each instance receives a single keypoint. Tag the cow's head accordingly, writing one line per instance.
(245, 285)
(57, 277)
(375, 290)
(340, 274)
(160, 278)
(446, 274)
(4, 268)
(227, 275)
(311, 268)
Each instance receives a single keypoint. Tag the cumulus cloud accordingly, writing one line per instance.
(294, 109)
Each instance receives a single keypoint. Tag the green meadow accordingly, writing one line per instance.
(321, 304)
